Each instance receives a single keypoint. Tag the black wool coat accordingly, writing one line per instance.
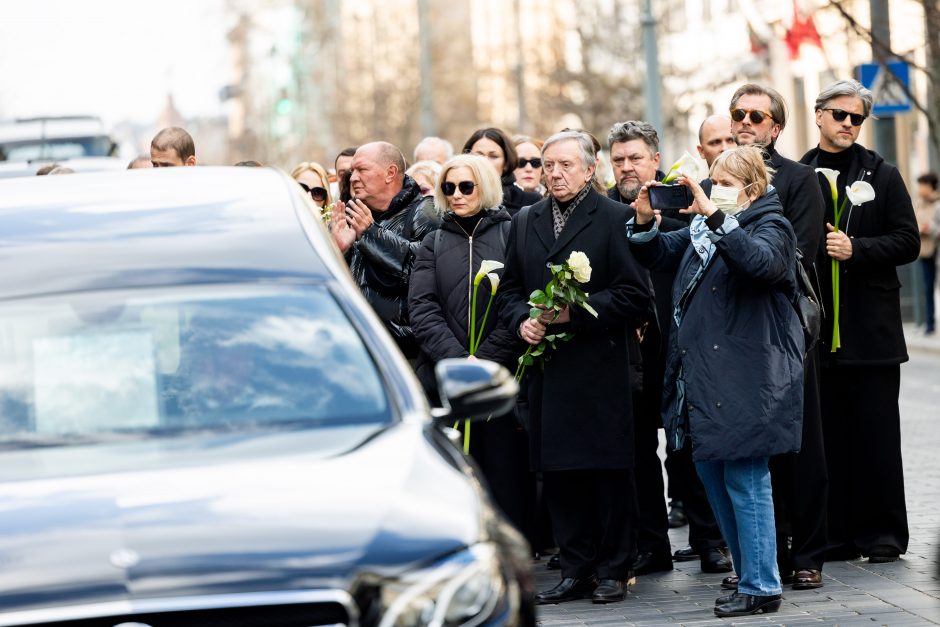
(884, 235)
(580, 413)
(514, 197)
(440, 291)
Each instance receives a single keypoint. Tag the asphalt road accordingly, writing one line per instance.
(906, 592)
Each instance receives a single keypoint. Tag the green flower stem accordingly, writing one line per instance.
(466, 437)
(473, 318)
(836, 269)
(476, 345)
(836, 340)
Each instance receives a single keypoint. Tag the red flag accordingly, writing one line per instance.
(803, 30)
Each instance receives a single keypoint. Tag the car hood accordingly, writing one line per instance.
(294, 520)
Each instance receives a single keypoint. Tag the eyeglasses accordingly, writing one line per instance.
(535, 161)
(757, 116)
(317, 193)
(465, 187)
(839, 116)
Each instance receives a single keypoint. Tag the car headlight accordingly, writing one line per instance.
(467, 589)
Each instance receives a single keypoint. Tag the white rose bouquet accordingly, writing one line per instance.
(564, 289)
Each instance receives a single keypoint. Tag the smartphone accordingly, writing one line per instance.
(670, 197)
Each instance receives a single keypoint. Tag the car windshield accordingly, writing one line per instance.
(113, 366)
(56, 149)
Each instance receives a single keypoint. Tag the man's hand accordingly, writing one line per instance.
(359, 216)
(343, 234)
(838, 244)
(549, 316)
(532, 330)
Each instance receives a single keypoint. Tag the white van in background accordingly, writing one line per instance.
(79, 142)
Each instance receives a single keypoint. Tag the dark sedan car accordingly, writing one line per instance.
(203, 423)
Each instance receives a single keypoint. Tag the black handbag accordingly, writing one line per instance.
(808, 307)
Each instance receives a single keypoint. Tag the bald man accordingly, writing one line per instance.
(379, 231)
(714, 137)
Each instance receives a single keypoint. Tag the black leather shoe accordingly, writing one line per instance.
(609, 591)
(677, 517)
(746, 604)
(685, 555)
(568, 589)
(553, 563)
(883, 553)
(716, 561)
(730, 583)
(648, 562)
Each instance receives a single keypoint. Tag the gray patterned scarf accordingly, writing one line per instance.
(559, 218)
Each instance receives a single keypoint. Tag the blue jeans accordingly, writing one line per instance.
(740, 495)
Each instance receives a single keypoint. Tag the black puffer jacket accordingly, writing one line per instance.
(439, 294)
(381, 260)
(514, 197)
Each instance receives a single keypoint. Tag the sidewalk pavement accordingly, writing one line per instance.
(917, 341)
(902, 593)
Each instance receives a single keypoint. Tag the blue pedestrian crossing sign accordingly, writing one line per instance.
(889, 84)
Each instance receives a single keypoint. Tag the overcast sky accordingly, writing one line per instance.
(114, 58)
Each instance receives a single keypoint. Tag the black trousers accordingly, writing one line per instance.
(801, 486)
(653, 520)
(704, 533)
(594, 518)
(862, 434)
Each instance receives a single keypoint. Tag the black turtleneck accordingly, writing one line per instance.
(468, 223)
(840, 161)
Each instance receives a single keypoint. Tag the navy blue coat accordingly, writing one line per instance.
(740, 345)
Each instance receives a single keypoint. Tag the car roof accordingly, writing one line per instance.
(157, 227)
(52, 127)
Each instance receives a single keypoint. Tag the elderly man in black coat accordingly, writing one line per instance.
(800, 480)
(581, 423)
(861, 379)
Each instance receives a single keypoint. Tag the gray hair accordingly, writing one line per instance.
(634, 129)
(435, 141)
(848, 87)
(585, 145)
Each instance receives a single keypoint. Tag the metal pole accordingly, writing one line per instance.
(885, 138)
(427, 100)
(653, 105)
(523, 123)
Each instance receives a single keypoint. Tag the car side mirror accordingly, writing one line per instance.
(473, 389)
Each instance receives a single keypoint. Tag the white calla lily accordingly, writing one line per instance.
(486, 266)
(494, 281)
(860, 192)
(831, 175)
(687, 165)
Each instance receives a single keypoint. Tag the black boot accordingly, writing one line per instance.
(740, 604)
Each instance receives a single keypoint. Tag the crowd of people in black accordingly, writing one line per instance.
(781, 456)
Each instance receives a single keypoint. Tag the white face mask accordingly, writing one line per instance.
(726, 198)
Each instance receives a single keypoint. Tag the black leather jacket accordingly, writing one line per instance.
(381, 260)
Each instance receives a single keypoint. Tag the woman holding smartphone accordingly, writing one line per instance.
(733, 388)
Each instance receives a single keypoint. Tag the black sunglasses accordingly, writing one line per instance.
(465, 187)
(839, 116)
(317, 193)
(535, 161)
(757, 116)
